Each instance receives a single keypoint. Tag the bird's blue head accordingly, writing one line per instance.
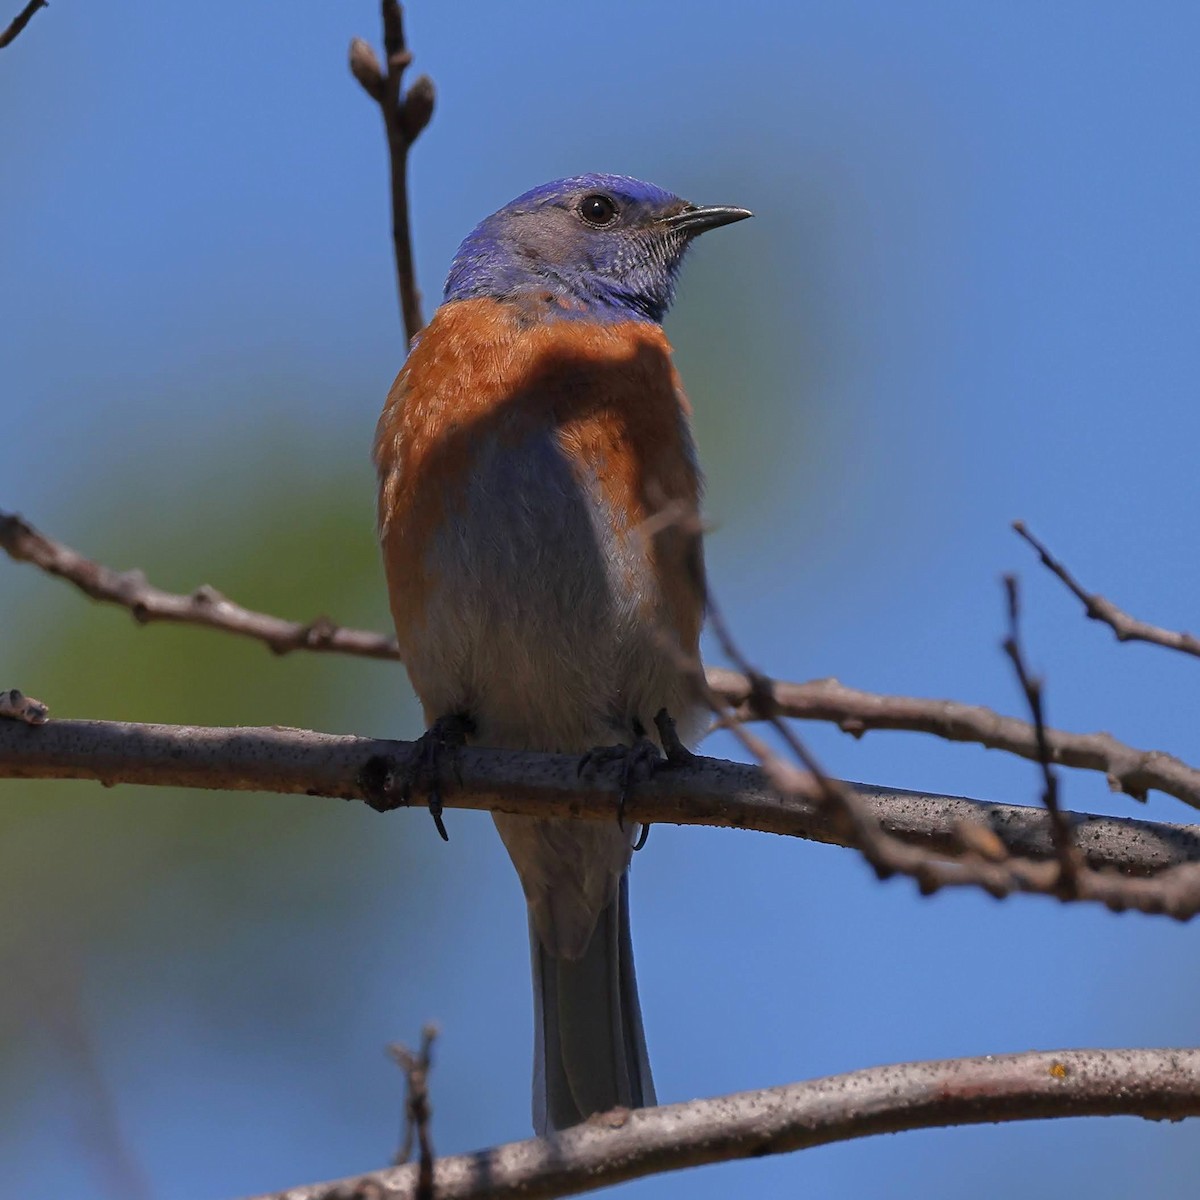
(605, 247)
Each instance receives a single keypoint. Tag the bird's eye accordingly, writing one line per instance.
(598, 210)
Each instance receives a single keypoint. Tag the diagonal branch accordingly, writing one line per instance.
(405, 114)
(1126, 627)
(989, 845)
(623, 1145)
(855, 712)
(1031, 685)
(19, 22)
(982, 865)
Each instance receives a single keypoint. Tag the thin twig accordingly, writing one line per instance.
(979, 864)
(623, 1145)
(941, 841)
(418, 1112)
(998, 873)
(1126, 627)
(405, 114)
(204, 606)
(853, 821)
(20, 21)
(1127, 768)
(1031, 686)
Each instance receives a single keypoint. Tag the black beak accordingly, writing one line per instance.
(699, 219)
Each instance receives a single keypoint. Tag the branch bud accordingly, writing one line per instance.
(365, 68)
(418, 107)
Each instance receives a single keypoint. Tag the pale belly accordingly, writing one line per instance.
(543, 621)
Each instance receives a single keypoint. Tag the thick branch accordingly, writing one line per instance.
(19, 22)
(1126, 627)
(990, 843)
(1128, 769)
(622, 1145)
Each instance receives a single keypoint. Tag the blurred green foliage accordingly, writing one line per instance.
(148, 877)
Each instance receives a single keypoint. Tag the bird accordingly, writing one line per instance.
(536, 426)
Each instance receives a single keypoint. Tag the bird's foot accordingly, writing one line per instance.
(639, 762)
(435, 750)
(636, 762)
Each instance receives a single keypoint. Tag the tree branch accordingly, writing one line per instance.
(205, 606)
(1126, 627)
(418, 1111)
(982, 865)
(1031, 686)
(988, 845)
(1128, 769)
(19, 22)
(622, 1145)
(405, 114)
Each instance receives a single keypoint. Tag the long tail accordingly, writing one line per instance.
(589, 1046)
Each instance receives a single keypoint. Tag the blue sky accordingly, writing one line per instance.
(969, 295)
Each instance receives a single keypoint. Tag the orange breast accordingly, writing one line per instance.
(485, 369)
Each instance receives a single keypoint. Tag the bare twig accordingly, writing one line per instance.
(623, 1145)
(1127, 768)
(1126, 627)
(417, 1109)
(405, 114)
(19, 22)
(854, 822)
(204, 606)
(16, 706)
(921, 831)
(980, 863)
(1031, 686)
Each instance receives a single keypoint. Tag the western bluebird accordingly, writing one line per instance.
(537, 423)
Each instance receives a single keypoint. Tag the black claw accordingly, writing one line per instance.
(436, 748)
(435, 811)
(637, 762)
(645, 833)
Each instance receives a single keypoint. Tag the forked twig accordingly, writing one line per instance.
(405, 114)
(204, 606)
(1126, 627)
(417, 1109)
